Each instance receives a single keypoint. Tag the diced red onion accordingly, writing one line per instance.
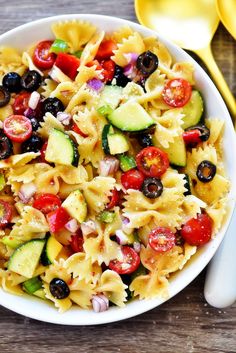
(121, 237)
(64, 118)
(137, 247)
(55, 73)
(95, 84)
(131, 57)
(34, 100)
(29, 113)
(72, 225)
(100, 303)
(108, 166)
(26, 192)
(126, 229)
(88, 227)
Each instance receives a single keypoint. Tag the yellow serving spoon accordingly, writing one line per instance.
(191, 24)
(227, 12)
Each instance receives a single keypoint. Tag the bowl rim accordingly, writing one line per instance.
(22, 305)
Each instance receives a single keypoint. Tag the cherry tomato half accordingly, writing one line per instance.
(57, 219)
(68, 64)
(108, 70)
(76, 242)
(106, 49)
(114, 200)
(21, 103)
(42, 57)
(177, 92)
(5, 213)
(161, 239)
(197, 231)
(17, 127)
(130, 263)
(47, 203)
(152, 161)
(132, 179)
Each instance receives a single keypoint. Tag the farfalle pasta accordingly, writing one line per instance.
(111, 174)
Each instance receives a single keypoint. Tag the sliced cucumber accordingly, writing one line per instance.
(51, 250)
(176, 151)
(108, 129)
(193, 110)
(11, 241)
(32, 285)
(117, 143)
(105, 110)
(110, 96)
(76, 206)
(61, 149)
(126, 162)
(40, 294)
(25, 258)
(131, 116)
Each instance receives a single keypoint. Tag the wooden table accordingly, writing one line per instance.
(184, 324)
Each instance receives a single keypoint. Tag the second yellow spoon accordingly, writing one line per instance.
(227, 11)
(190, 24)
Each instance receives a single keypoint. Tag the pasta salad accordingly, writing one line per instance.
(111, 174)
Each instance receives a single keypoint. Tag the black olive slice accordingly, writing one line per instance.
(121, 79)
(5, 96)
(59, 289)
(31, 80)
(206, 171)
(12, 81)
(152, 188)
(33, 144)
(205, 132)
(145, 140)
(147, 63)
(6, 147)
(53, 106)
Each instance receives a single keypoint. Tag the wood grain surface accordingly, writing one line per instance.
(184, 324)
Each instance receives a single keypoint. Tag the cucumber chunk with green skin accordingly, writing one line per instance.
(108, 129)
(61, 149)
(51, 250)
(131, 116)
(76, 206)
(40, 294)
(126, 162)
(2, 182)
(176, 151)
(193, 110)
(25, 258)
(105, 110)
(110, 96)
(117, 143)
(32, 285)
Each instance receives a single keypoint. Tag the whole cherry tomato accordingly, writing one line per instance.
(18, 128)
(152, 161)
(57, 219)
(197, 231)
(132, 179)
(130, 263)
(177, 92)
(21, 103)
(161, 239)
(47, 203)
(42, 57)
(5, 213)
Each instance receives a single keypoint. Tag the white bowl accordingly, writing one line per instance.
(23, 36)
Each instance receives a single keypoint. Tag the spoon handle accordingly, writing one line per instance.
(206, 55)
(220, 285)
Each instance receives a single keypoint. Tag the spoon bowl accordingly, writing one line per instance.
(191, 25)
(226, 11)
